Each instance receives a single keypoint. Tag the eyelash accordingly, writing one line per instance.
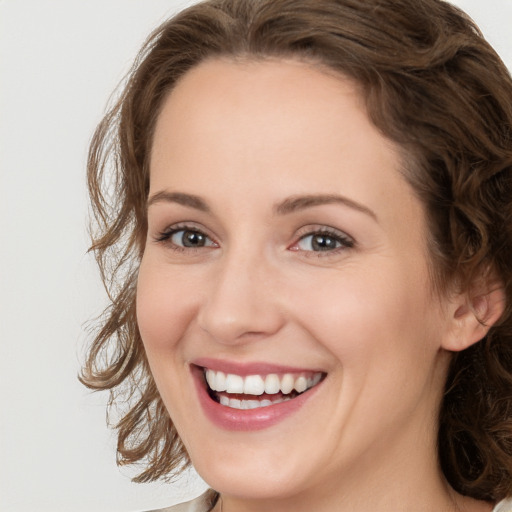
(166, 236)
(341, 240)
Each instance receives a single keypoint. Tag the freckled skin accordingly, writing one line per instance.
(245, 137)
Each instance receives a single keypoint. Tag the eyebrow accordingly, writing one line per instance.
(189, 200)
(293, 204)
(289, 205)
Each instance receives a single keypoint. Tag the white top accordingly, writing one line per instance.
(504, 506)
(201, 504)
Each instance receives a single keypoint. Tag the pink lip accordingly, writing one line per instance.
(244, 369)
(228, 418)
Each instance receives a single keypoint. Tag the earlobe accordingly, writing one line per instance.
(473, 317)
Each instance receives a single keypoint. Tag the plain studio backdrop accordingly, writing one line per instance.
(59, 63)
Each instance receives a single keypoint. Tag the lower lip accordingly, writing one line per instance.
(246, 419)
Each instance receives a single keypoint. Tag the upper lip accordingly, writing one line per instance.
(248, 368)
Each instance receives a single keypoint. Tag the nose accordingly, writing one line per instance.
(241, 301)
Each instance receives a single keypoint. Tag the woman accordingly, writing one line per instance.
(308, 247)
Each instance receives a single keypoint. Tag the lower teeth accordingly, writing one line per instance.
(234, 403)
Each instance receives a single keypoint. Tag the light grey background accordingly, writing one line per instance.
(59, 62)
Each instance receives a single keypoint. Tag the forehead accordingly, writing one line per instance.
(217, 87)
(271, 129)
(272, 104)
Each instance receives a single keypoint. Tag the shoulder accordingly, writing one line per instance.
(503, 506)
(199, 504)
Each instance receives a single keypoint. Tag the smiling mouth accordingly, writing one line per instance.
(256, 391)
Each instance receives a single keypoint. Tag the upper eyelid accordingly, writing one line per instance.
(324, 229)
(185, 225)
(165, 234)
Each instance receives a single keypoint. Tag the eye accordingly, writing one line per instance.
(323, 241)
(182, 238)
(189, 238)
(318, 242)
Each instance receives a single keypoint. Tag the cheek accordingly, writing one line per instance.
(164, 313)
(164, 310)
(362, 314)
(382, 330)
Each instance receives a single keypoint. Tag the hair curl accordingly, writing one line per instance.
(433, 85)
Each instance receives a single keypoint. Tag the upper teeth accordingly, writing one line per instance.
(259, 384)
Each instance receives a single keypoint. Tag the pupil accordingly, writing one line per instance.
(323, 243)
(193, 239)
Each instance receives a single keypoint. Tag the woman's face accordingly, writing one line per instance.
(286, 250)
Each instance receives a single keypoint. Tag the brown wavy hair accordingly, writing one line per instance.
(433, 85)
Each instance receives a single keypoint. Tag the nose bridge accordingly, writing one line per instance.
(241, 300)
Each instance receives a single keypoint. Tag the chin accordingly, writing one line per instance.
(251, 480)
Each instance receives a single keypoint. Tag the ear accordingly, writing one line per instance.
(473, 314)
